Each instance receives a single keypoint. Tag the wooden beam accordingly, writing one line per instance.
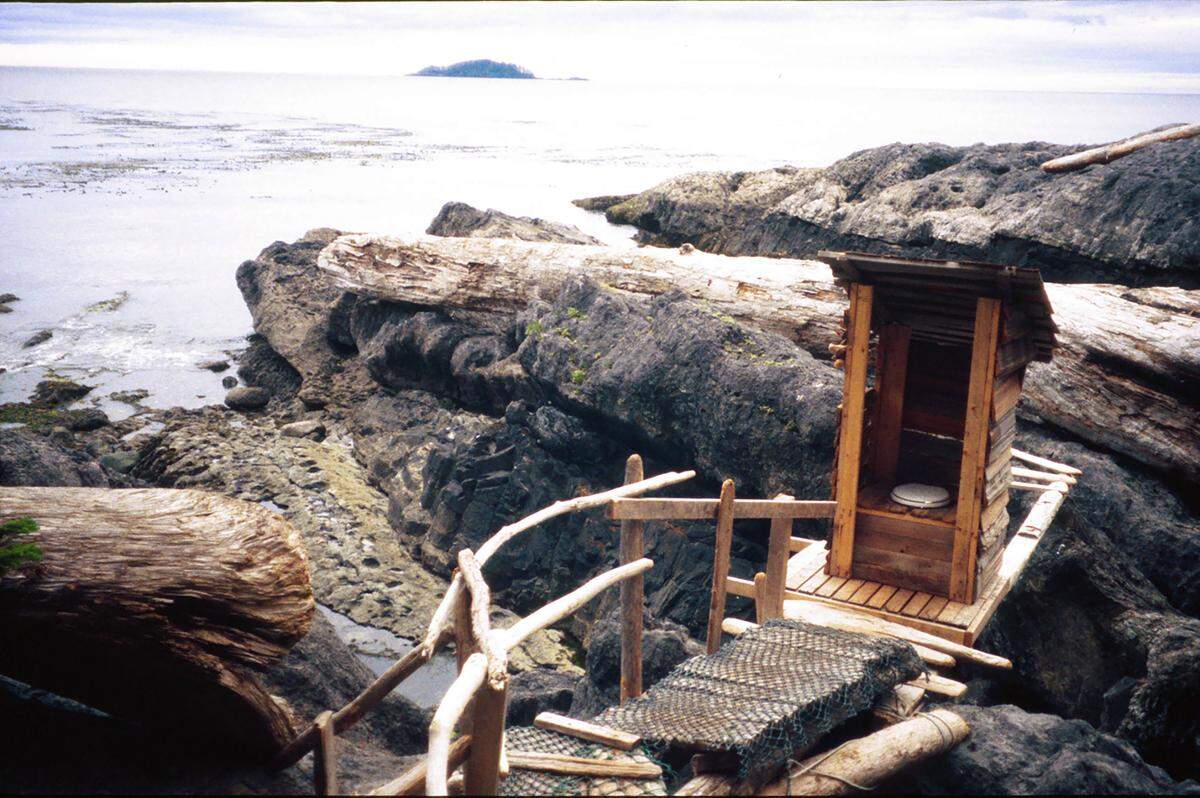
(939, 684)
(594, 732)
(760, 598)
(482, 772)
(583, 766)
(1049, 465)
(441, 616)
(864, 764)
(849, 454)
(721, 548)
(706, 509)
(325, 780)
(1042, 476)
(778, 549)
(851, 621)
(1110, 152)
(632, 594)
(900, 703)
(481, 625)
(975, 446)
(412, 781)
(890, 374)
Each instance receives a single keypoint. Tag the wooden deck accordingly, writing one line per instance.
(959, 623)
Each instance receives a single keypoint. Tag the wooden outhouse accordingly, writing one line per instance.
(934, 354)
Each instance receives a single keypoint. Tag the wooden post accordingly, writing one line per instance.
(721, 548)
(325, 761)
(891, 372)
(632, 595)
(482, 776)
(975, 449)
(849, 454)
(778, 550)
(464, 646)
(761, 598)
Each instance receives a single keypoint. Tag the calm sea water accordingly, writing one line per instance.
(149, 188)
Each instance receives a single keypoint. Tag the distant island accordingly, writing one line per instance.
(480, 68)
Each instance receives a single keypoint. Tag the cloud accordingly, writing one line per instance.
(1085, 46)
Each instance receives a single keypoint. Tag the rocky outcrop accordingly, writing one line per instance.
(530, 397)
(33, 460)
(458, 219)
(1131, 221)
(1012, 752)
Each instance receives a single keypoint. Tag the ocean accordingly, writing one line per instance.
(128, 198)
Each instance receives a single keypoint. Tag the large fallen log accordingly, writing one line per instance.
(157, 606)
(865, 763)
(1121, 379)
(1111, 152)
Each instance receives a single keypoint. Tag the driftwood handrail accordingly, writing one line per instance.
(439, 630)
(1111, 152)
(471, 677)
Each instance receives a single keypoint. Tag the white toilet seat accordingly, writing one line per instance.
(914, 494)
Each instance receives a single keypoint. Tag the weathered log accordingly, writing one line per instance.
(1119, 149)
(158, 605)
(864, 763)
(1121, 377)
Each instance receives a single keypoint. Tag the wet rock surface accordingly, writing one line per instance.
(461, 220)
(1119, 222)
(247, 398)
(1013, 752)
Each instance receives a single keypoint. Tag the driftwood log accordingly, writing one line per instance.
(1122, 377)
(1111, 152)
(158, 606)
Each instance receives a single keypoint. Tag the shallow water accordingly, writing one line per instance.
(156, 184)
(379, 649)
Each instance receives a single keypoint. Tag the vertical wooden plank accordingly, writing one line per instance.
(975, 443)
(464, 645)
(482, 769)
(778, 548)
(858, 334)
(721, 547)
(632, 595)
(890, 374)
(325, 781)
(761, 599)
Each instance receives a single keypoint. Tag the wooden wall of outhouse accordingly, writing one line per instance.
(934, 354)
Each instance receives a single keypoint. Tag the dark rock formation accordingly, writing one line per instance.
(539, 690)
(33, 460)
(39, 337)
(457, 219)
(58, 391)
(1012, 752)
(664, 645)
(261, 366)
(1132, 221)
(601, 203)
(479, 68)
(247, 398)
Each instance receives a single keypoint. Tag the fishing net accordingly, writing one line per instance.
(773, 690)
(532, 782)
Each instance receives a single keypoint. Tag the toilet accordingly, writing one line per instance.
(925, 497)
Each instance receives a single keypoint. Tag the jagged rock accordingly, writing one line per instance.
(8, 299)
(664, 645)
(121, 461)
(87, 419)
(1090, 637)
(33, 460)
(539, 690)
(1012, 752)
(39, 337)
(602, 203)
(58, 391)
(247, 398)
(213, 365)
(304, 429)
(457, 219)
(263, 367)
(1119, 222)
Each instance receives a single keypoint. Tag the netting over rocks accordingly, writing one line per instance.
(774, 689)
(531, 782)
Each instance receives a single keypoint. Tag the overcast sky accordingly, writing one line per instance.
(1071, 46)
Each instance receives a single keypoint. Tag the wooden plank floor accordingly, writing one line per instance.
(960, 623)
